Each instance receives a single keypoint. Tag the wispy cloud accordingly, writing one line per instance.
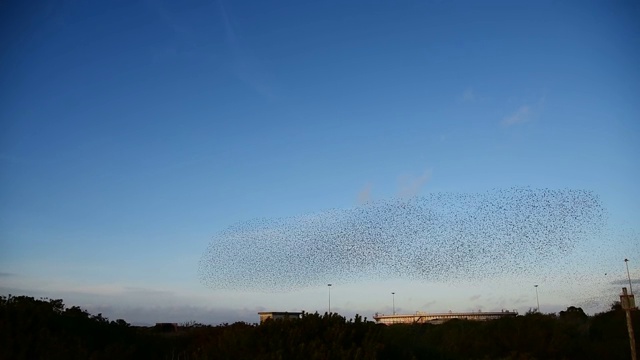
(248, 68)
(186, 40)
(85, 293)
(410, 185)
(149, 315)
(624, 282)
(427, 305)
(228, 28)
(520, 116)
(364, 196)
(146, 292)
(140, 306)
(468, 95)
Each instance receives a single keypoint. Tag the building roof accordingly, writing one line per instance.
(423, 317)
(280, 312)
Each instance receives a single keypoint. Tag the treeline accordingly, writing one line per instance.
(45, 329)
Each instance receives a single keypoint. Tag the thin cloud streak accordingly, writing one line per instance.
(248, 69)
(141, 306)
(475, 297)
(149, 315)
(468, 95)
(364, 196)
(522, 115)
(228, 29)
(625, 282)
(410, 186)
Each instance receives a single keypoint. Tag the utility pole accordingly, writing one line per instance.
(628, 303)
(394, 302)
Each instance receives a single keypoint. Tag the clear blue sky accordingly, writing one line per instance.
(131, 132)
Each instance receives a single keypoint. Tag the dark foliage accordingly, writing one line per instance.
(45, 329)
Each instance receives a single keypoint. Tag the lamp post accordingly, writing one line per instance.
(626, 262)
(329, 285)
(537, 299)
(394, 302)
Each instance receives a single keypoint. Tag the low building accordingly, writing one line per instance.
(438, 318)
(264, 315)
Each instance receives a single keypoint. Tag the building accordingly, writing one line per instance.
(438, 318)
(264, 315)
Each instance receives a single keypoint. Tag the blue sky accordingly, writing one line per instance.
(132, 132)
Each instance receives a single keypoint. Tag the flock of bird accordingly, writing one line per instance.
(439, 237)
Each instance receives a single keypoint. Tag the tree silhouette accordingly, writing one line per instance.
(46, 329)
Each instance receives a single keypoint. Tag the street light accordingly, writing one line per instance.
(329, 285)
(626, 262)
(537, 300)
(394, 302)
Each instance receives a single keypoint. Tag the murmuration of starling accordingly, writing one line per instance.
(439, 237)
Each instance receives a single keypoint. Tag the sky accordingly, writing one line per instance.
(133, 132)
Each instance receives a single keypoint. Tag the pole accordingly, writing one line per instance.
(394, 302)
(329, 285)
(537, 299)
(627, 305)
(626, 262)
